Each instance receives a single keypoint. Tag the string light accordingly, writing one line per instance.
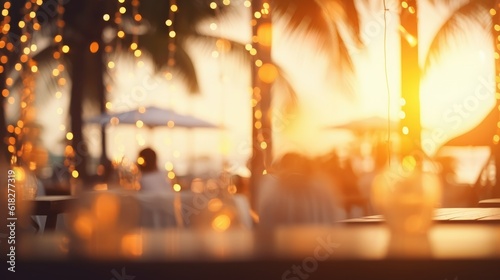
(120, 33)
(171, 35)
(410, 125)
(221, 47)
(94, 47)
(168, 74)
(495, 16)
(4, 68)
(4, 58)
(27, 69)
(265, 72)
(137, 18)
(109, 48)
(58, 73)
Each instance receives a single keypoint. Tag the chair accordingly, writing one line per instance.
(307, 203)
(156, 210)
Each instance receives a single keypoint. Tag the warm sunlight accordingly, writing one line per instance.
(457, 96)
(259, 139)
(456, 93)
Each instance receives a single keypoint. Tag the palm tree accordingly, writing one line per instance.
(411, 73)
(78, 39)
(169, 52)
(189, 14)
(86, 69)
(474, 11)
(321, 17)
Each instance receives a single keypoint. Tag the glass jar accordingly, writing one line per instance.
(26, 183)
(406, 196)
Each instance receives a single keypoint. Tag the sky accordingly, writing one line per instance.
(456, 93)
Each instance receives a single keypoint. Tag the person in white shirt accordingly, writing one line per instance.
(155, 194)
(294, 193)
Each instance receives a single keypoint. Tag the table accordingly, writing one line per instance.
(446, 215)
(51, 206)
(366, 251)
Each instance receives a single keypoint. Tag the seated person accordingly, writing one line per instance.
(152, 179)
(293, 194)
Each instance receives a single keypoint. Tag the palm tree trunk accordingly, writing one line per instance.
(87, 68)
(101, 91)
(261, 112)
(4, 152)
(410, 80)
(98, 78)
(76, 108)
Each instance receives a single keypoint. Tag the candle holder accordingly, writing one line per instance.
(406, 195)
(26, 183)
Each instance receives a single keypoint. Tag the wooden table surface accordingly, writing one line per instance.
(446, 215)
(450, 251)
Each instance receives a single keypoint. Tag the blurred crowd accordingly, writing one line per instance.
(296, 190)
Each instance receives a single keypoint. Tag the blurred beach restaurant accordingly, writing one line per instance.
(250, 139)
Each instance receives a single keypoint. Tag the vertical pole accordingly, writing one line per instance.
(410, 80)
(496, 137)
(262, 79)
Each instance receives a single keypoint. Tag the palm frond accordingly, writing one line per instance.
(208, 43)
(284, 85)
(454, 31)
(340, 15)
(157, 47)
(186, 69)
(298, 12)
(347, 79)
(155, 42)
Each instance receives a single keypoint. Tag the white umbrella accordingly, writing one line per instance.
(152, 117)
(368, 125)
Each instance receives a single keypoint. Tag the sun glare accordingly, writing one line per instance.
(456, 93)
